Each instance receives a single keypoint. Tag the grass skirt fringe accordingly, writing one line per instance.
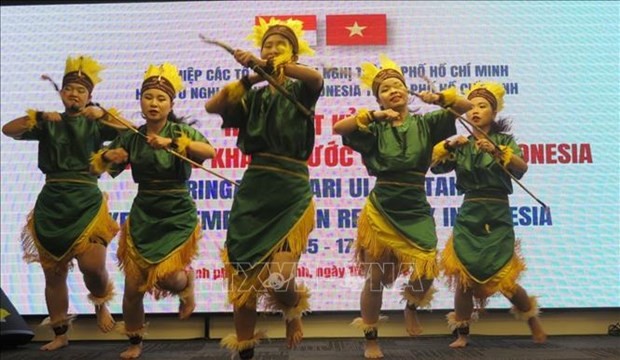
(134, 265)
(379, 242)
(101, 230)
(504, 281)
(247, 287)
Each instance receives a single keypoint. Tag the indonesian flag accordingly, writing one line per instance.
(309, 22)
(356, 29)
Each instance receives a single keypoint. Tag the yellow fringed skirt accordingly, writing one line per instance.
(482, 253)
(504, 281)
(161, 235)
(48, 240)
(247, 286)
(134, 264)
(378, 241)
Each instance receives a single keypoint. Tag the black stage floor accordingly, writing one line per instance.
(426, 347)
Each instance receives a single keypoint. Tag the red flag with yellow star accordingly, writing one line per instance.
(356, 29)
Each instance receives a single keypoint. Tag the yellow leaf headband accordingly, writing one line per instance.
(372, 76)
(164, 77)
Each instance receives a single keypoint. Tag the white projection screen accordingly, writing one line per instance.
(557, 60)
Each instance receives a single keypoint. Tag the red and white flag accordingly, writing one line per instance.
(309, 22)
(356, 29)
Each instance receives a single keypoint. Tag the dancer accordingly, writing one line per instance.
(70, 219)
(481, 257)
(396, 230)
(160, 237)
(273, 211)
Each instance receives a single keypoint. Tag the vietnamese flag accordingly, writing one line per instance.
(356, 29)
(309, 22)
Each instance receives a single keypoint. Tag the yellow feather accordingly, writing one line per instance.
(183, 142)
(86, 65)
(506, 155)
(387, 63)
(440, 153)
(360, 324)
(98, 165)
(258, 32)
(167, 71)
(234, 92)
(231, 342)
(32, 119)
(286, 54)
(370, 71)
(496, 89)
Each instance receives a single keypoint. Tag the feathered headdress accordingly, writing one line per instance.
(83, 70)
(164, 77)
(372, 77)
(491, 91)
(291, 29)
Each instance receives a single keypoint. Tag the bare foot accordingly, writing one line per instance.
(132, 352)
(59, 342)
(187, 306)
(105, 321)
(538, 334)
(187, 300)
(412, 323)
(460, 342)
(294, 333)
(372, 350)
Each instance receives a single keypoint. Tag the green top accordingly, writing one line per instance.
(70, 199)
(148, 164)
(477, 170)
(67, 145)
(407, 147)
(484, 238)
(275, 190)
(400, 157)
(269, 122)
